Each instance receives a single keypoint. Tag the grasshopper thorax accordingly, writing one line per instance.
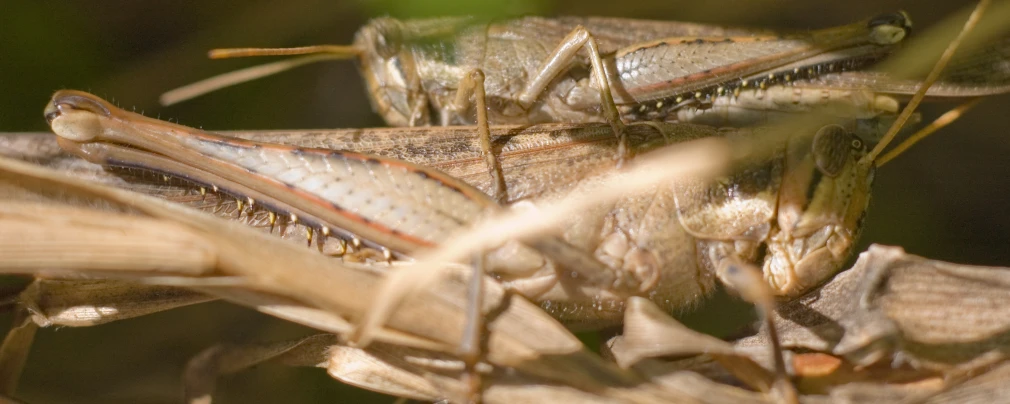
(822, 201)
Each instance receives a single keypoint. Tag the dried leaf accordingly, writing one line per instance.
(82, 303)
(895, 318)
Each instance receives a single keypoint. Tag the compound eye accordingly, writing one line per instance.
(831, 148)
(887, 29)
(388, 38)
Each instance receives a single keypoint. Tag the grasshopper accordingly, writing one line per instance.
(417, 71)
(802, 203)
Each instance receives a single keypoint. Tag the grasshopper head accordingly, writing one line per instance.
(823, 198)
(391, 73)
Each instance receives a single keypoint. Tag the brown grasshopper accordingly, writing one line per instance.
(801, 204)
(801, 200)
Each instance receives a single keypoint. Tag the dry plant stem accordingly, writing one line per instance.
(944, 120)
(138, 243)
(470, 348)
(934, 74)
(84, 303)
(746, 280)
(427, 376)
(430, 377)
(296, 312)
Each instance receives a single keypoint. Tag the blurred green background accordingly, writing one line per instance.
(947, 199)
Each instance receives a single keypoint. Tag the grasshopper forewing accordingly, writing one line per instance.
(982, 72)
(334, 187)
(802, 203)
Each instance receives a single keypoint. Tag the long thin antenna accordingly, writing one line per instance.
(348, 51)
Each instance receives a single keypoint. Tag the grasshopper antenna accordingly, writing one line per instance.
(311, 54)
(871, 158)
(339, 50)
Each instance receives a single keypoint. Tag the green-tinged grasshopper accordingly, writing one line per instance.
(656, 70)
(418, 71)
(797, 208)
